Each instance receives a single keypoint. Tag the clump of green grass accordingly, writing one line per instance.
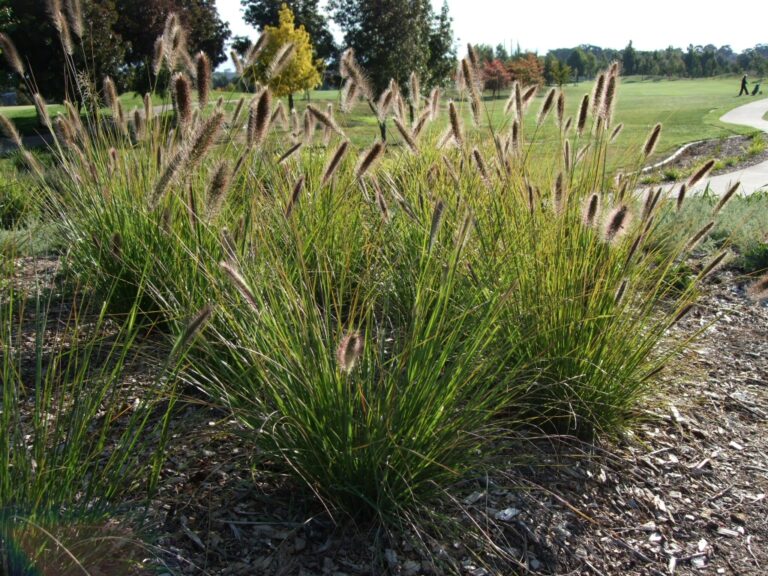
(383, 309)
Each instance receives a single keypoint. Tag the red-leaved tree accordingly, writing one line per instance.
(495, 76)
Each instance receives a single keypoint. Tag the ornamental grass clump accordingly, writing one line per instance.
(381, 311)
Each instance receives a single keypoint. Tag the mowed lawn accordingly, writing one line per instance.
(689, 110)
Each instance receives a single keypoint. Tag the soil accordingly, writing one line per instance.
(686, 493)
(733, 149)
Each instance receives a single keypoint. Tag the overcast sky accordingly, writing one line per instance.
(541, 25)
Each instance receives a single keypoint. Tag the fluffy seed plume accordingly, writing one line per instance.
(474, 59)
(335, 161)
(384, 104)
(621, 291)
(282, 58)
(414, 91)
(518, 89)
(610, 98)
(456, 130)
(758, 290)
(217, 190)
(205, 138)
(528, 95)
(709, 268)
(158, 55)
(515, 135)
(325, 119)
(560, 109)
(240, 284)
(469, 76)
(509, 105)
(437, 218)
(369, 159)
(598, 93)
(434, 103)
(42, 111)
(258, 119)
(653, 139)
(701, 173)
(583, 111)
(169, 174)
(726, 197)
(421, 121)
(279, 115)
(255, 49)
(192, 329)
(75, 16)
(567, 156)
(309, 122)
(8, 129)
(238, 63)
(681, 196)
(617, 223)
(381, 202)
(290, 152)
(11, 55)
(295, 195)
(182, 92)
(547, 105)
(203, 66)
(480, 163)
(558, 196)
(350, 350)
(350, 69)
(616, 131)
(406, 135)
(699, 236)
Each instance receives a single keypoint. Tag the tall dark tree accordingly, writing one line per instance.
(118, 40)
(391, 38)
(307, 13)
(100, 52)
(629, 60)
(442, 52)
(142, 21)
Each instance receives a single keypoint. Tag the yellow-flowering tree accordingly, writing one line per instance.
(302, 71)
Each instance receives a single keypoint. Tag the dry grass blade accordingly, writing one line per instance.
(290, 152)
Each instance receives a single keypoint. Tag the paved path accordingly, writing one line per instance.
(752, 178)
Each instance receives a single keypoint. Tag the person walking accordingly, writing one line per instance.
(744, 89)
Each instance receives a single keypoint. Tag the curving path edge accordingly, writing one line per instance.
(752, 178)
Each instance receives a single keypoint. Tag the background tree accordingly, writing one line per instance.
(118, 40)
(526, 69)
(100, 53)
(307, 13)
(629, 60)
(391, 38)
(301, 73)
(442, 52)
(495, 76)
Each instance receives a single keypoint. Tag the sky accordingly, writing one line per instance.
(542, 25)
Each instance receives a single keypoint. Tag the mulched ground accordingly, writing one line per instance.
(733, 148)
(684, 494)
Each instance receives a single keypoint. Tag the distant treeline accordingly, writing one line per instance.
(585, 61)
